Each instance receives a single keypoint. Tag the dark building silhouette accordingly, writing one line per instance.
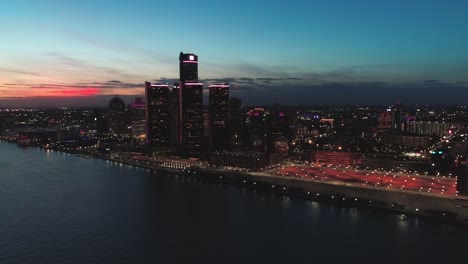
(138, 118)
(308, 124)
(239, 159)
(396, 116)
(206, 145)
(461, 171)
(190, 123)
(173, 114)
(462, 184)
(278, 131)
(206, 124)
(256, 130)
(236, 124)
(99, 121)
(117, 117)
(157, 114)
(188, 70)
(219, 115)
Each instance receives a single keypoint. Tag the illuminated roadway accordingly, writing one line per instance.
(380, 186)
(374, 179)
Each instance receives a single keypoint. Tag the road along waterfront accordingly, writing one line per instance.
(448, 209)
(57, 207)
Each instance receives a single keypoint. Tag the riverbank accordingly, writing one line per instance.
(449, 210)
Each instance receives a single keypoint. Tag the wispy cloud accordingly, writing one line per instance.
(8, 70)
(254, 92)
(80, 65)
(254, 83)
(67, 60)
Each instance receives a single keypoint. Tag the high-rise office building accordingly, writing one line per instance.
(188, 70)
(138, 119)
(256, 128)
(190, 123)
(278, 131)
(157, 114)
(396, 116)
(219, 115)
(117, 117)
(236, 124)
(173, 114)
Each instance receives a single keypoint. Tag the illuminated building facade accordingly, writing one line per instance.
(138, 118)
(190, 121)
(308, 124)
(188, 70)
(428, 128)
(173, 114)
(336, 158)
(157, 114)
(219, 115)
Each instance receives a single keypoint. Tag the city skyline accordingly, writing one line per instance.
(83, 54)
(142, 131)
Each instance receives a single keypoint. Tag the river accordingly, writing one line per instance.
(60, 208)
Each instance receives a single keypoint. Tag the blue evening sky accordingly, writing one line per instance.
(258, 46)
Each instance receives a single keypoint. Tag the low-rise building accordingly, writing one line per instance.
(239, 159)
(406, 140)
(337, 158)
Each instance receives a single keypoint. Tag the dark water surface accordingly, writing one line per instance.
(59, 208)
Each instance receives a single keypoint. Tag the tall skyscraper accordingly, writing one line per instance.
(188, 68)
(236, 124)
(396, 116)
(117, 117)
(190, 127)
(278, 130)
(157, 114)
(256, 128)
(173, 114)
(219, 115)
(138, 119)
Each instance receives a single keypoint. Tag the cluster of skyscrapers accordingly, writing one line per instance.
(175, 116)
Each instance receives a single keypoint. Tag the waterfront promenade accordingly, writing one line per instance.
(442, 207)
(446, 207)
(450, 209)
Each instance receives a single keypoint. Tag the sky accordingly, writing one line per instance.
(82, 53)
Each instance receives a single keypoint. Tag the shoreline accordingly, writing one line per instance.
(446, 210)
(434, 208)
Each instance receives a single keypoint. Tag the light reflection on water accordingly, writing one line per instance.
(402, 223)
(88, 210)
